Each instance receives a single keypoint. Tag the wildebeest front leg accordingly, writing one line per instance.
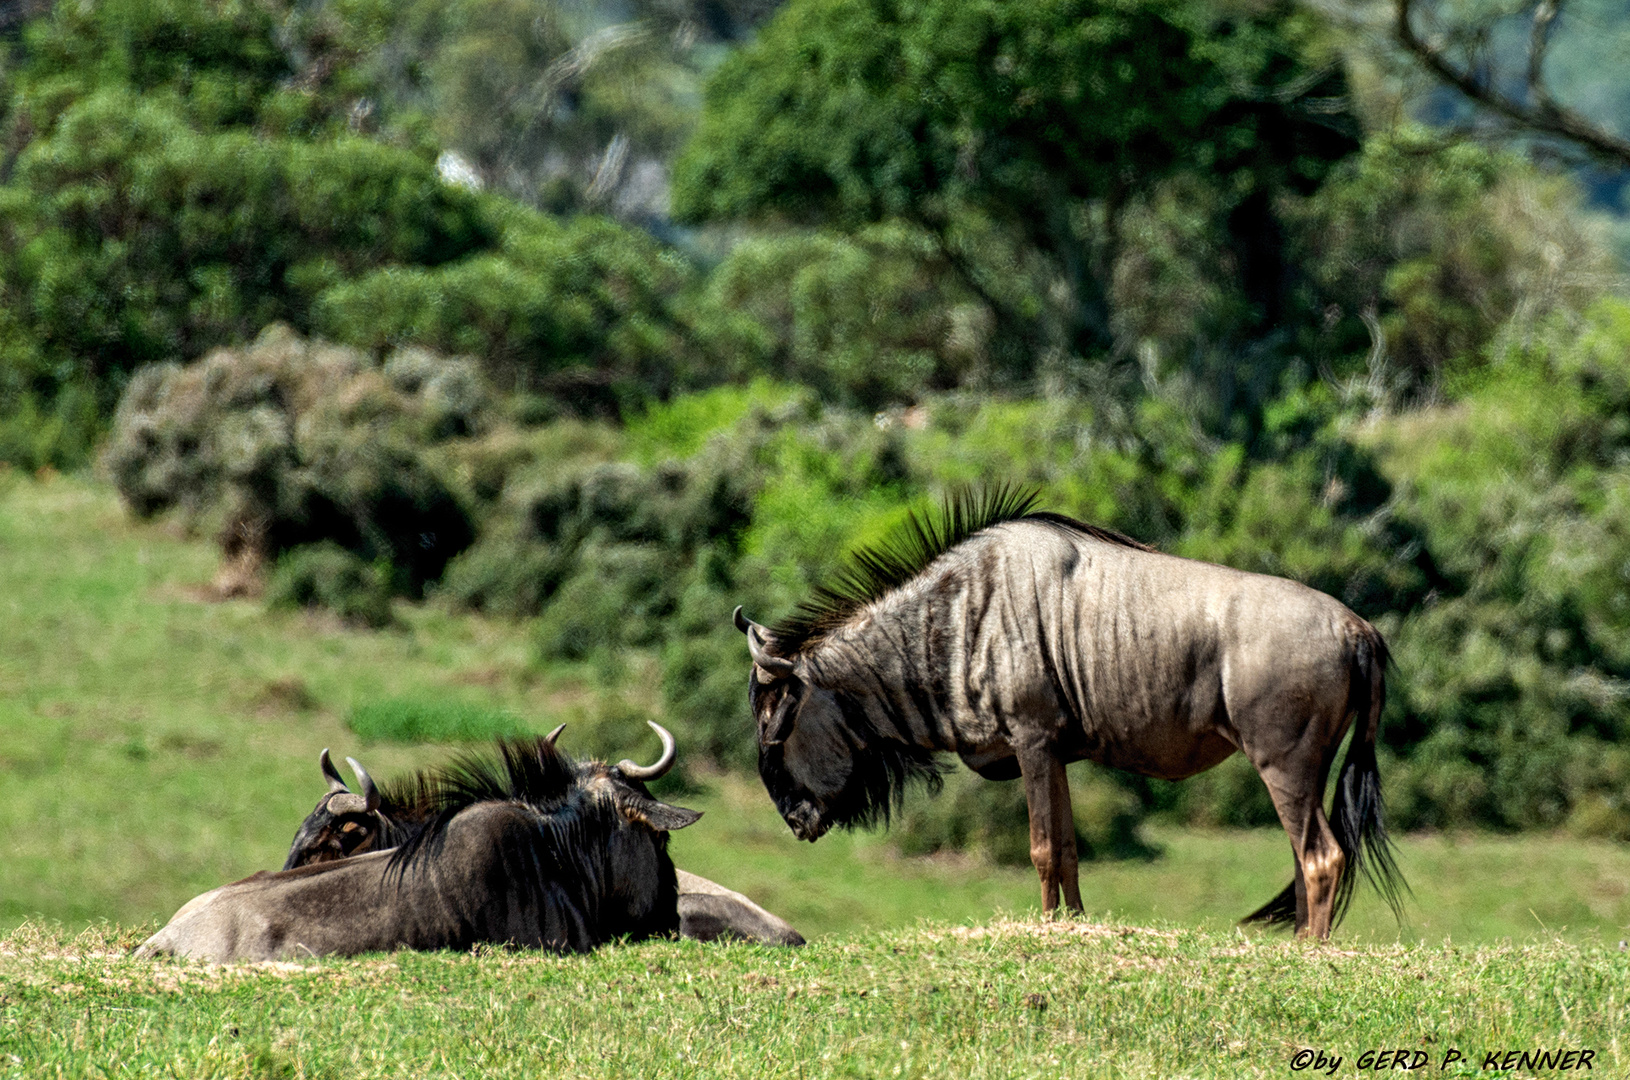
(1052, 828)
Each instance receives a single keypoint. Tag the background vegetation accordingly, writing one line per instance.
(597, 323)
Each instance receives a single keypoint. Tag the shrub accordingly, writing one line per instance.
(326, 575)
(867, 320)
(131, 238)
(289, 442)
(581, 310)
(1510, 700)
(1020, 150)
(1446, 244)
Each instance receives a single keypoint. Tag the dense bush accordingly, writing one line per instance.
(582, 311)
(1445, 245)
(133, 238)
(1513, 695)
(289, 442)
(1024, 141)
(180, 173)
(868, 320)
(325, 575)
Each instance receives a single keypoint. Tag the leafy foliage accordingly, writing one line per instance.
(572, 108)
(1513, 702)
(1018, 136)
(581, 310)
(325, 575)
(868, 319)
(134, 238)
(290, 442)
(182, 173)
(1445, 245)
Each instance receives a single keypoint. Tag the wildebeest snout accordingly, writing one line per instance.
(806, 822)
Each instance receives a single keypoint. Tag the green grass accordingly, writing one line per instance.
(417, 720)
(1004, 999)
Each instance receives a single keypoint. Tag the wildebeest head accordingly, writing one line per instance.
(807, 743)
(344, 823)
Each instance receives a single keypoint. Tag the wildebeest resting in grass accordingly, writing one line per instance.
(1022, 641)
(346, 823)
(527, 851)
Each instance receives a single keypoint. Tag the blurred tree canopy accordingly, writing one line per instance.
(182, 173)
(1027, 137)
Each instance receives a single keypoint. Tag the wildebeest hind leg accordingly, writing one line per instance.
(1319, 859)
(1052, 829)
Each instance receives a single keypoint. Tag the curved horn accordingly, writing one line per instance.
(663, 763)
(370, 793)
(553, 735)
(777, 666)
(335, 784)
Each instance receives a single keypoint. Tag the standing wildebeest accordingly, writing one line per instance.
(526, 851)
(1023, 641)
(344, 824)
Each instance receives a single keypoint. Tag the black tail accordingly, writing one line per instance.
(1355, 813)
(1280, 911)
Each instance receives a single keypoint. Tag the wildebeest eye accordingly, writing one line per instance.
(352, 835)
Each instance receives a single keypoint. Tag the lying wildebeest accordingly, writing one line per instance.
(377, 817)
(529, 851)
(1023, 641)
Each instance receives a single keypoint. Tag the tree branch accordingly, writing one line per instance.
(1543, 113)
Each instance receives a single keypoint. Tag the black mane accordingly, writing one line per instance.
(883, 770)
(530, 771)
(876, 570)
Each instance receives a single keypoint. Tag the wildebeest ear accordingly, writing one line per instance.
(658, 815)
(779, 726)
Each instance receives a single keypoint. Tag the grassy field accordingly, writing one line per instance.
(154, 744)
(1004, 999)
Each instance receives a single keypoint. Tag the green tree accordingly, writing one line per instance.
(570, 107)
(129, 236)
(182, 173)
(1034, 124)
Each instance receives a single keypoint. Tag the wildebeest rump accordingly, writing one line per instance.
(710, 912)
(522, 851)
(377, 817)
(1022, 641)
